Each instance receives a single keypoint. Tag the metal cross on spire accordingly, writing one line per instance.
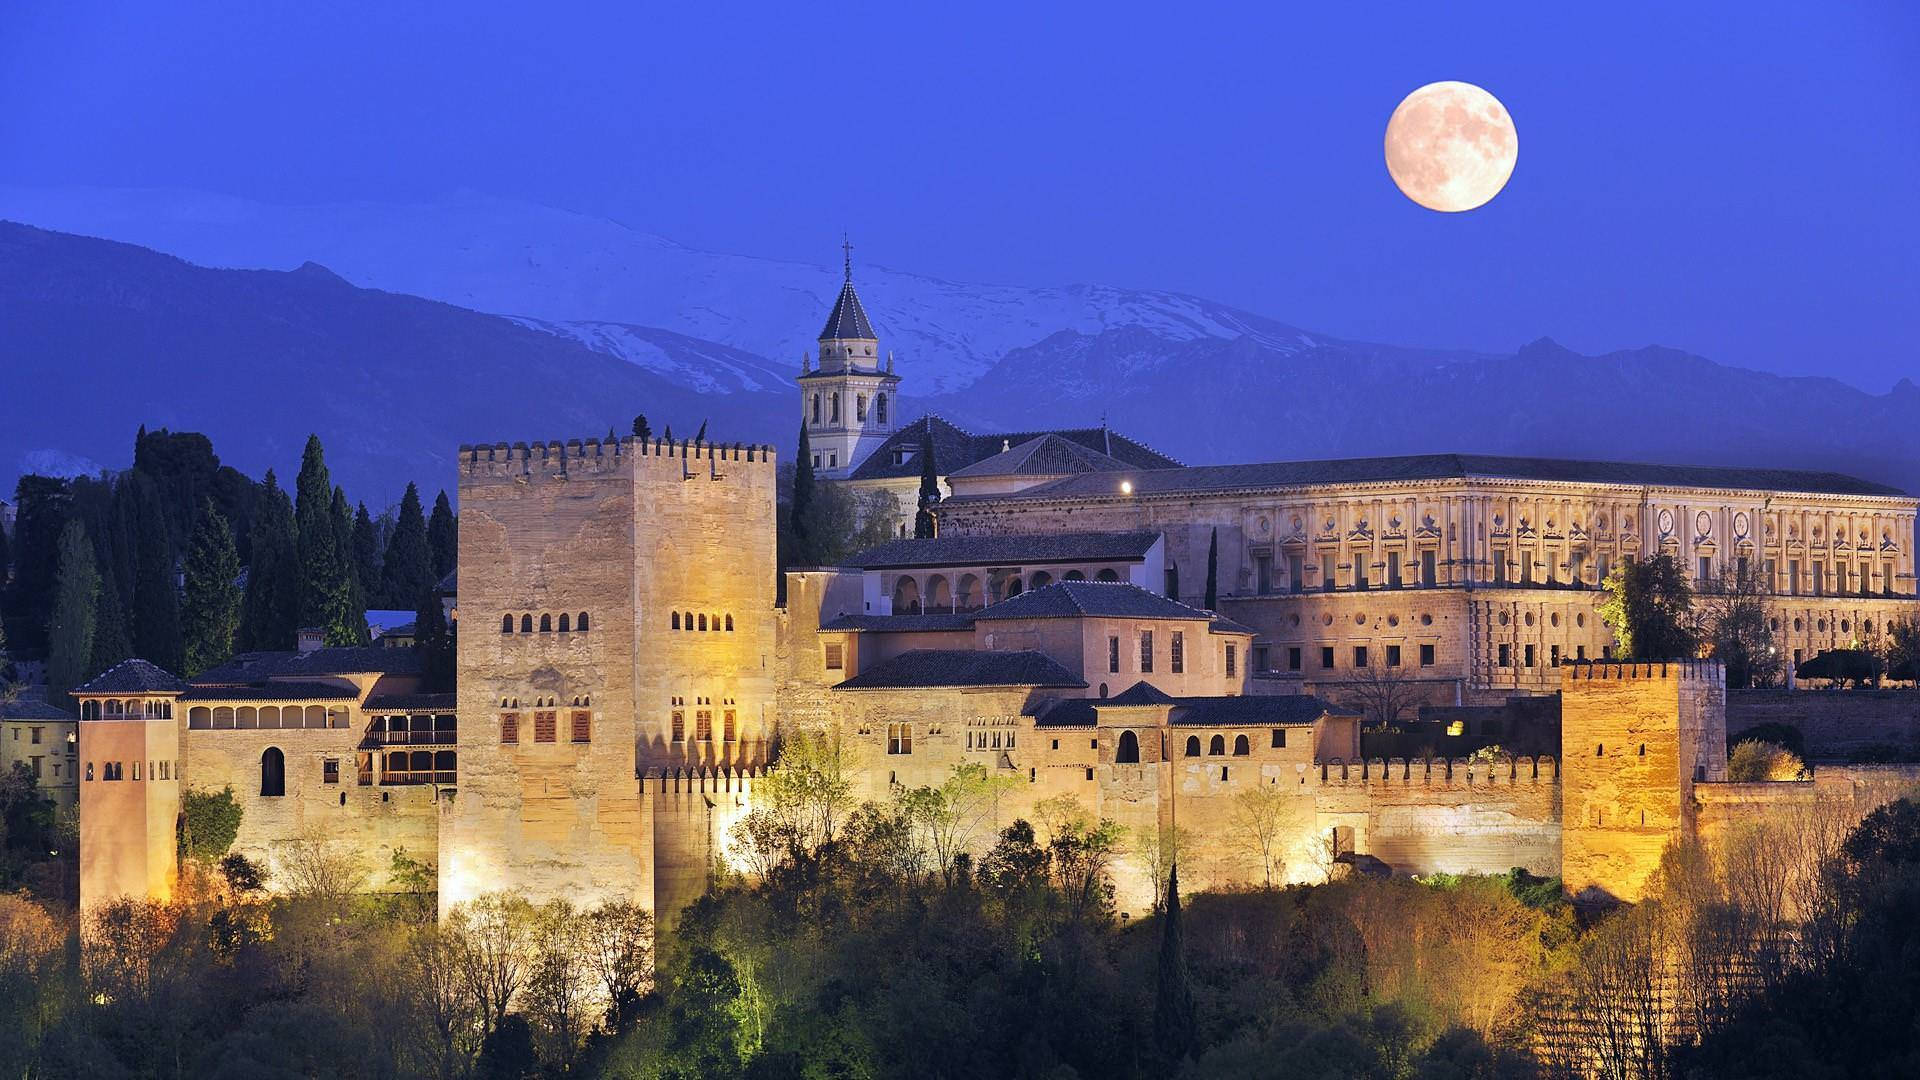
(846, 246)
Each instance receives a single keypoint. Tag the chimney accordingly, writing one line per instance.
(309, 638)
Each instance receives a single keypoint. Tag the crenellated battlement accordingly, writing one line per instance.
(1708, 671)
(707, 780)
(1442, 772)
(557, 457)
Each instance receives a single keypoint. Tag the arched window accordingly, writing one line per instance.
(1128, 752)
(703, 621)
(939, 594)
(729, 623)
(1106, 575)
(580, 624)
(816, 408)
(1041, 579)
(1217, 745)
(526, 624)
(1193, 746)
(969, 595)
(716, 621)
(566, 623)
(676, 620)
(1073, 575)
(833, 409)
(1013, 587)
(273, 772)
(506, 624)
(906, 596)
(880, 408)
(546, 624)
(1240, 746)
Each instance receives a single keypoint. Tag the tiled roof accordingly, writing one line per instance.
(32, 708)
(961, 550)
(1293, 474)
(412, 703)
(955, 449)
(1141, 693)
(847, 319)
(1047, 455)
(1097, 599)
(902, 624)
(1251, 710)
(963, 667)
(346, 660)
(1223, 625)
(1068, 712)
(273, 691)
(131, 677)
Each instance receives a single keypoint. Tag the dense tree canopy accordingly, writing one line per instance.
(1649, 609)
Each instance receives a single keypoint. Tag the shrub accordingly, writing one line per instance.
(1753, 760)
(209, 820)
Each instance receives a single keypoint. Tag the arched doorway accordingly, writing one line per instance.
(273, 772)
(906, 597)
(1128, 752)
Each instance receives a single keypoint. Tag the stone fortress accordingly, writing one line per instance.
(625, 674)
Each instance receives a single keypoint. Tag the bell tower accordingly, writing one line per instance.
(848, 401)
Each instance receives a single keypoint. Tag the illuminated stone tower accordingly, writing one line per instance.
(129, 783)
(849, 401)
(1634, 740)
(617, 615)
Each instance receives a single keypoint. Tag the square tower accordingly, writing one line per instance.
(1634, 739)
(129, 784)
(617, 619)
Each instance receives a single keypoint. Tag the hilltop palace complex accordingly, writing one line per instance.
(625, 674)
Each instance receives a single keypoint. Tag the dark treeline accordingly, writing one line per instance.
(184, 561)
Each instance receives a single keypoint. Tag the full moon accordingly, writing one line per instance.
(1451, 146)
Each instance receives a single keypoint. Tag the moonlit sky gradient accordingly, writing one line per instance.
(1744, 184)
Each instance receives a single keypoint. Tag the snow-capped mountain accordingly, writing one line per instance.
(597, 280)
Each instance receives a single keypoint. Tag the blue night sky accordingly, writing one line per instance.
(1738, 180)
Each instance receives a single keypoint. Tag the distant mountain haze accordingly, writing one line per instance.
(595, 321)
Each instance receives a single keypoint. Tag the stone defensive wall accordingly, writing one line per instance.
(1835, 795)
(694, 812)
(1835, 725)
(1432, 815)
(559, 457)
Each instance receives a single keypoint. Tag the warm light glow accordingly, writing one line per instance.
(1451, 146)
(1126, 487)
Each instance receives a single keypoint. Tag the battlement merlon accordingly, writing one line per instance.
(565, 459)
(1696, 672)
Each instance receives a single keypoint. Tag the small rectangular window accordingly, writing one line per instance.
(1146, 651)
(703, 725)
(836, 660)
(1293, 658)
(1393, 656)
(727, 733)
(1089, 774)
(1359, 656)
(899, 738)
(582, 726)
(136, 770)
(679, 726)
(1231, 673)
(1426, 656)
(1177, 657)
(1529, 656)
(546, 725)
(330, 771)
(1113, 654)
(1326, 657)
(1279, 738)
(1263, 574)
(1329, 576)
(1506, 655)
(1427, 568)
(1393, 570)
(1553, 655)
(1706, 570)
(1499, 567)
(1261, 660)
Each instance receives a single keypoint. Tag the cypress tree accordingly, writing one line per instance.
(668, 434)
(156, 597)
(434, 640)
(407, 569)
(111, 641)
(443, 537)
(270, 614)
(801, 509)
(343, 543)
(641, 429)
(1174, 1024)
(925, 525)
(1213, 571)
(700, 436)
(70, 633)
(210, 615)
(366, 554)
(326, 585)
(6, 557)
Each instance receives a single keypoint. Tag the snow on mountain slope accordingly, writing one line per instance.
(557, 267)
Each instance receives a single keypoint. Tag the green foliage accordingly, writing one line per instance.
(156, 599)
(27, 830)
(42, 506)
(343, 544)
(805, 529)
(1174, 1022)
(209, 820)
(112, 642)
(326, 579)
(926, 524)
(70, 633)
(642, 429)
(434, 639)
(270, 612)
(1648, 608)
(366, 554)
(407, 569)
(1753, 760)
(210, 613)
(1855, 666)
(1903, 650)
(1785, 735)
(1735, 616)
(443, 537)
